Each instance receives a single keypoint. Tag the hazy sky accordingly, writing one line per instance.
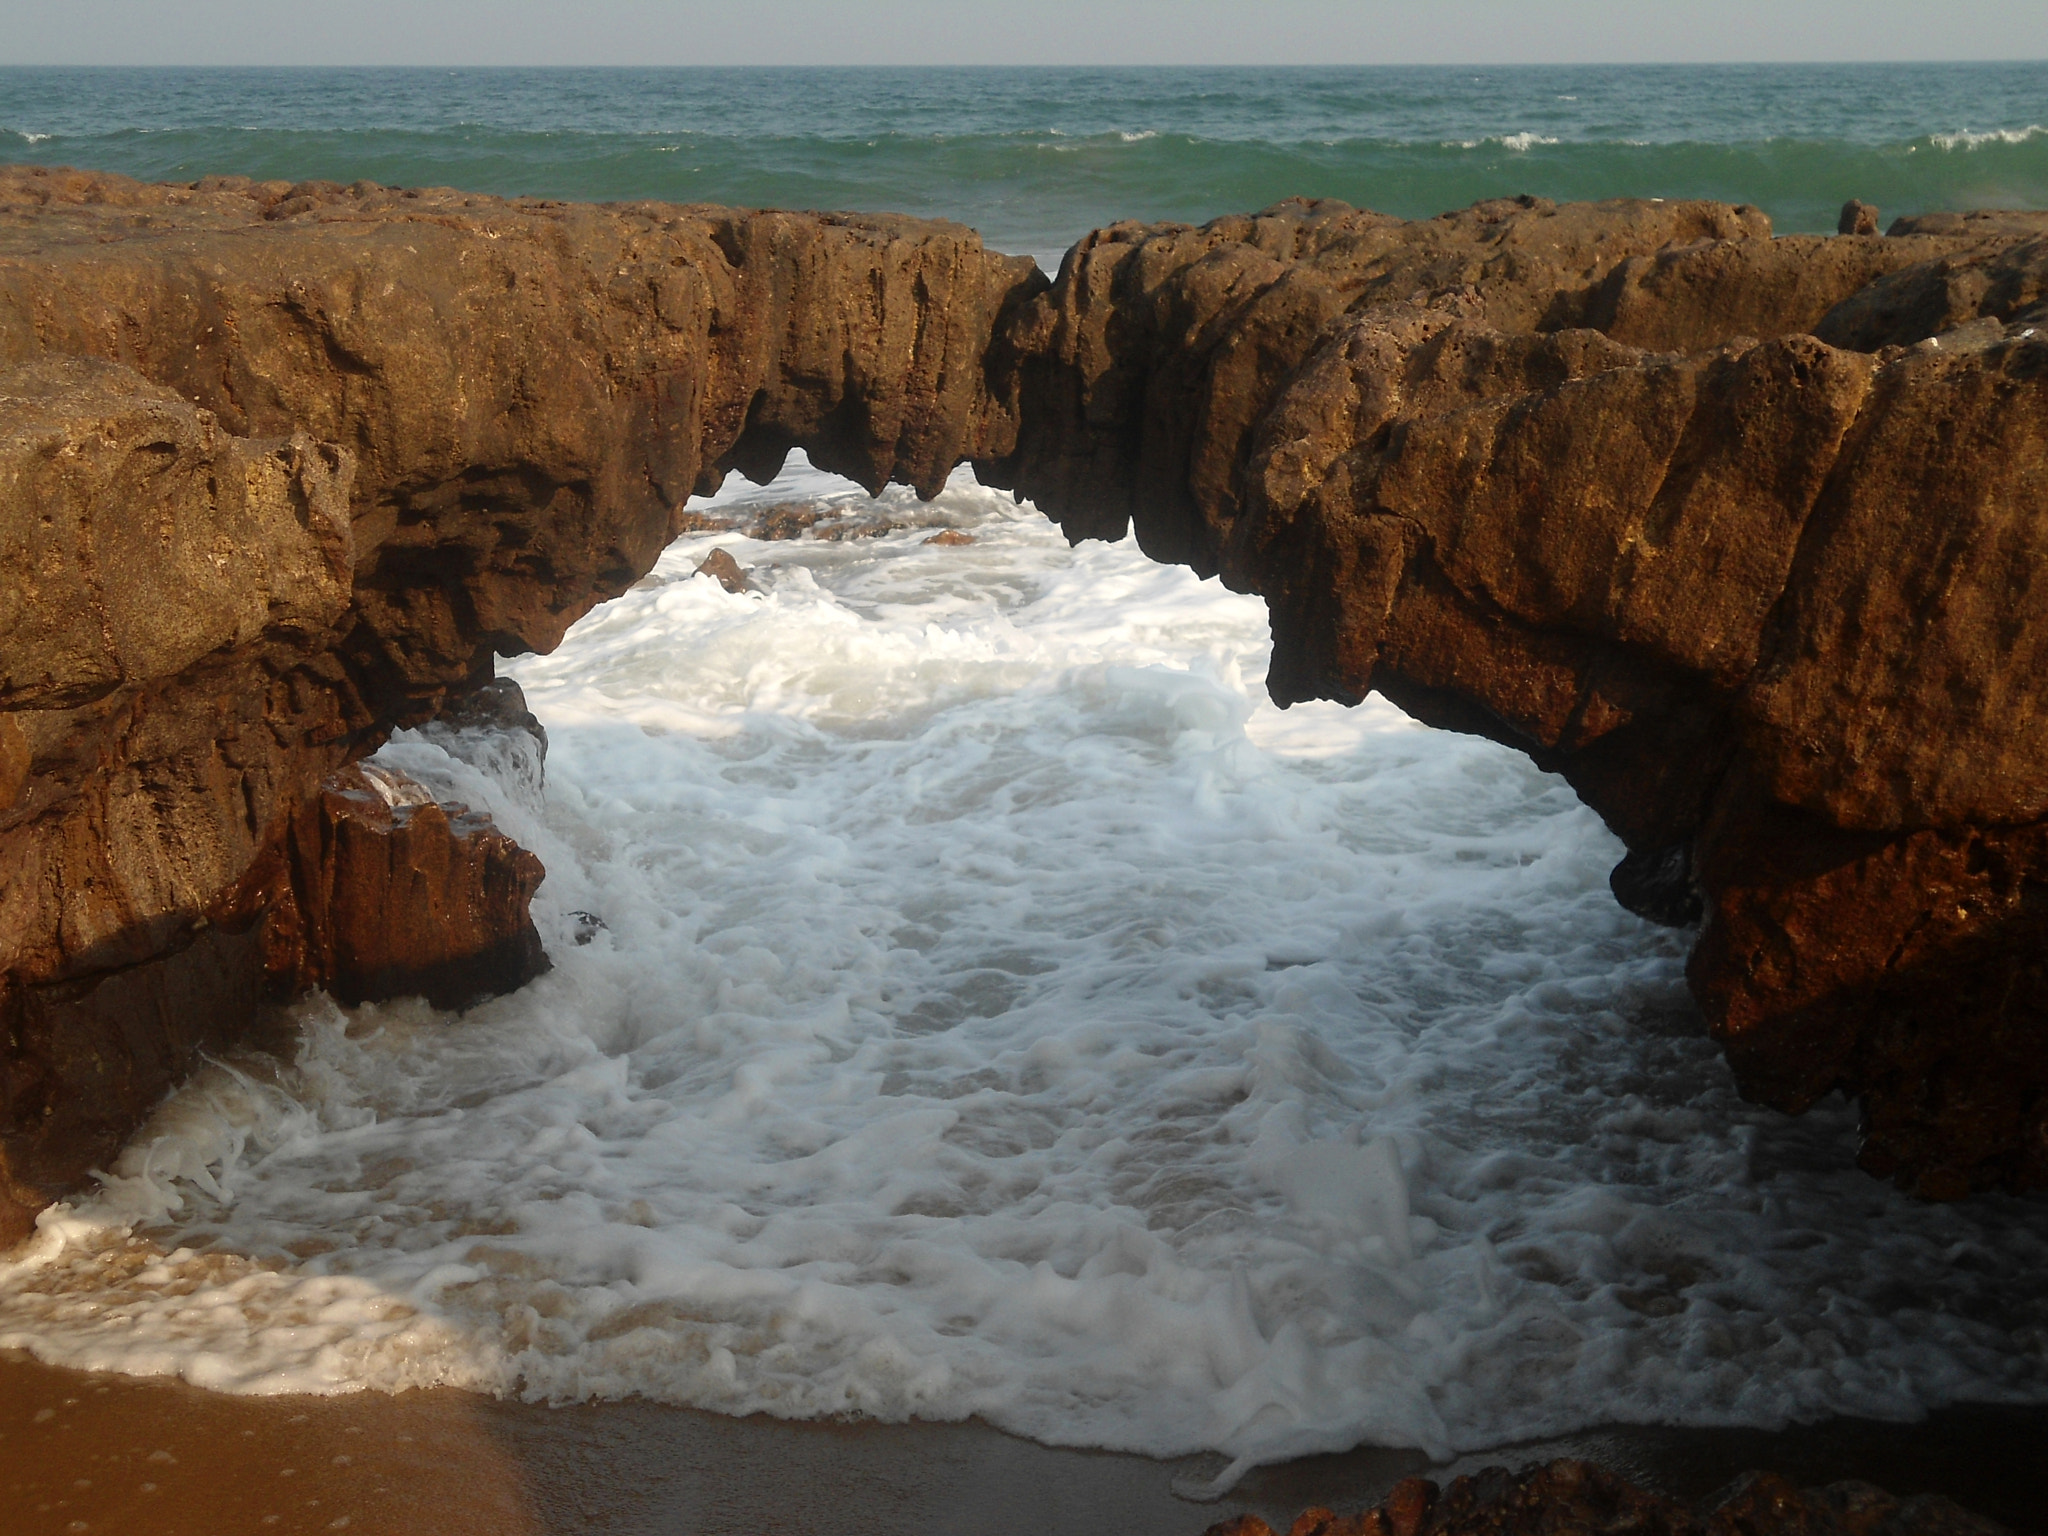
(1009, 32)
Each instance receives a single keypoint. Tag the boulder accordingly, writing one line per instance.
(720, 566)
(376, 891)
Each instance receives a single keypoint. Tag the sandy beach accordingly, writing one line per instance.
(81, 1452)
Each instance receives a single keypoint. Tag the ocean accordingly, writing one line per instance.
(1034, 158)
(1000, 1009)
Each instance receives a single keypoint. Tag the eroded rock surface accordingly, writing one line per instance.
(1742, 535)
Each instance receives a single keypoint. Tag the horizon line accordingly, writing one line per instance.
(1733, 63)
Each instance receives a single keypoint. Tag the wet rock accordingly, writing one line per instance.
(498, 705)
(1657, 884)
(951, 538)
(854, 528)
(86, 1059)
(490, 728)
(784, 521)
(378, 892)
(1858, 218)
(720, 566)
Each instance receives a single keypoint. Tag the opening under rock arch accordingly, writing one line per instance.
(1000, 1009)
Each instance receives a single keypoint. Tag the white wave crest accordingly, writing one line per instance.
(1964, 139)
(1520, 143)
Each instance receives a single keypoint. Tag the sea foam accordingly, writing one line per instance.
(1002, 1010)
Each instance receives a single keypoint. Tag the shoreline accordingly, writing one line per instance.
(81, 1451)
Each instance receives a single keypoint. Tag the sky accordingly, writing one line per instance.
(869, 32)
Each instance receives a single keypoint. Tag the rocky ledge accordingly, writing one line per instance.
(1742, 535)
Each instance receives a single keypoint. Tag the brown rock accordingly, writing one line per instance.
(234, 538)
(786, 520)
(1240, 1525)
(855, 528)
(720, 566)
(521, 395)
(1764, 1504)
(1996, 278)
(1559, 495)
(498, 705)
(86, 1059)
(1858, 218)
(1139, 378)
(1576, 478)
(14, 762)
(1408, 1507)
(378, 892)
(951, 538)
(171, 591)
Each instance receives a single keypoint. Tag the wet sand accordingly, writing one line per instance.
(98, 1453)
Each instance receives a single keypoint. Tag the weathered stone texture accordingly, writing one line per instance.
(376, 891)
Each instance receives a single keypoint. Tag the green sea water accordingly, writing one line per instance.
(1035, 157)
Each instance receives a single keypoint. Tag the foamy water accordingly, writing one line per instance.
(1001, 1009)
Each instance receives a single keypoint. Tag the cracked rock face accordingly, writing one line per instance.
(1743, 536)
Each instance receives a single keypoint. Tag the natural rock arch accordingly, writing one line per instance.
(1518, 468)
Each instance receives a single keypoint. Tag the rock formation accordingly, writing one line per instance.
(1574, 1496)
(376, 891)
(281, 468)
(1739, 534)
(1775, 607)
